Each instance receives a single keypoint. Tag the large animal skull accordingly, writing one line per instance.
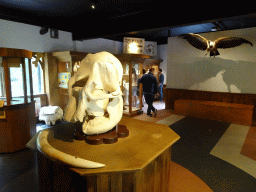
(100, 98)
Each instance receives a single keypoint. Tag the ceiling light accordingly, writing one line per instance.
(214, 29)
(43, 30)
(93, 6)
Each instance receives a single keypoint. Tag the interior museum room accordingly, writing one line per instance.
(127, 96)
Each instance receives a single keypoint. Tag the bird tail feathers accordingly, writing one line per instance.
(214, 53)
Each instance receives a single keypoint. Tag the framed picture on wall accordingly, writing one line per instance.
(63, 79)
(151, 48)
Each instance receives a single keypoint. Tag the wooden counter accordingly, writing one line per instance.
(17, 127)
(140, 162)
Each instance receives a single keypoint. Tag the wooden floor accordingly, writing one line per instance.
(249, 147)
(182, 180)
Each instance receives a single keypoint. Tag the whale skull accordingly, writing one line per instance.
(100, 97)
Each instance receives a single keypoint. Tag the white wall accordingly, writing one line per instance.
(97, 45)
(24, 36)
(162, 54)
(234, 70)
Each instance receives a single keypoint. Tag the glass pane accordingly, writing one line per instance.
(37, 78)
(126, 87)
(135, 87)
(27, 63)
(2, 82)
(16, 77)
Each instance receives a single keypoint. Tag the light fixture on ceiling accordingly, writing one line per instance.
(54, 33)
(43, 30)
(93, 4)
(214, 29)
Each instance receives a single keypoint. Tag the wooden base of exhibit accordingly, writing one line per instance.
(161, 175)
(17, 127)
(138, 163)
(119, 131)
(220, 111)
(172, 95)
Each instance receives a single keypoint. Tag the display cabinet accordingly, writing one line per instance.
(17, 110)
(132, 90)
(65, 61)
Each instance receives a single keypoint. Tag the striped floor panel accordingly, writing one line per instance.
(211, 150)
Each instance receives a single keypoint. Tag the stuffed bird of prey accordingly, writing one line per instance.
(202, 43)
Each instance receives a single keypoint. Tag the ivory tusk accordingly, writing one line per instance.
(46, 149)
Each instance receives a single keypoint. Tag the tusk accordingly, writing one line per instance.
(46, 149)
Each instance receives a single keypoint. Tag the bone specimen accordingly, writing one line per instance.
(94, 91)
(55, 155)
(50, 114)
(101, 95)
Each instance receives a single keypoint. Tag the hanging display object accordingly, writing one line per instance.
(202, 43)
(134, 45)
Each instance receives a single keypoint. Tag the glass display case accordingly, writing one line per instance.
(132, 104)
(132, 90)
(17, 108)
(15, 76)
(133, 65)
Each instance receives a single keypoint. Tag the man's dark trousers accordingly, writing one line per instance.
(149, 100)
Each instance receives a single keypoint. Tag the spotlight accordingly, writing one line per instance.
(214, 29)
(43, 30)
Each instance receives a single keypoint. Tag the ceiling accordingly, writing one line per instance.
(154, 20)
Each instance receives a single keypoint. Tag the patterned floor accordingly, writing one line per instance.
(219, 153)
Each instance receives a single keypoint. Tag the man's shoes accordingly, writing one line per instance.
(150, 115)
(155, 113)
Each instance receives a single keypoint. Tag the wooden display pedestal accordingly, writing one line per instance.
(119, 131)
(140, 162)
(17, 126)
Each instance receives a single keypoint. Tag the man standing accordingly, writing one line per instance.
(161, 84)
(150, 84)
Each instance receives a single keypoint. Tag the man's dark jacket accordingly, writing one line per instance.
(149, 84)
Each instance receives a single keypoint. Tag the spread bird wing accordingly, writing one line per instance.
(229, 42)
(196, 40)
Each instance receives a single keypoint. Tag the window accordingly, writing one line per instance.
(37, 76)
(2, 83)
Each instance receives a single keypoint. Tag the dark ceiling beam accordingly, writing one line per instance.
(218, 26)
(159, 18)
